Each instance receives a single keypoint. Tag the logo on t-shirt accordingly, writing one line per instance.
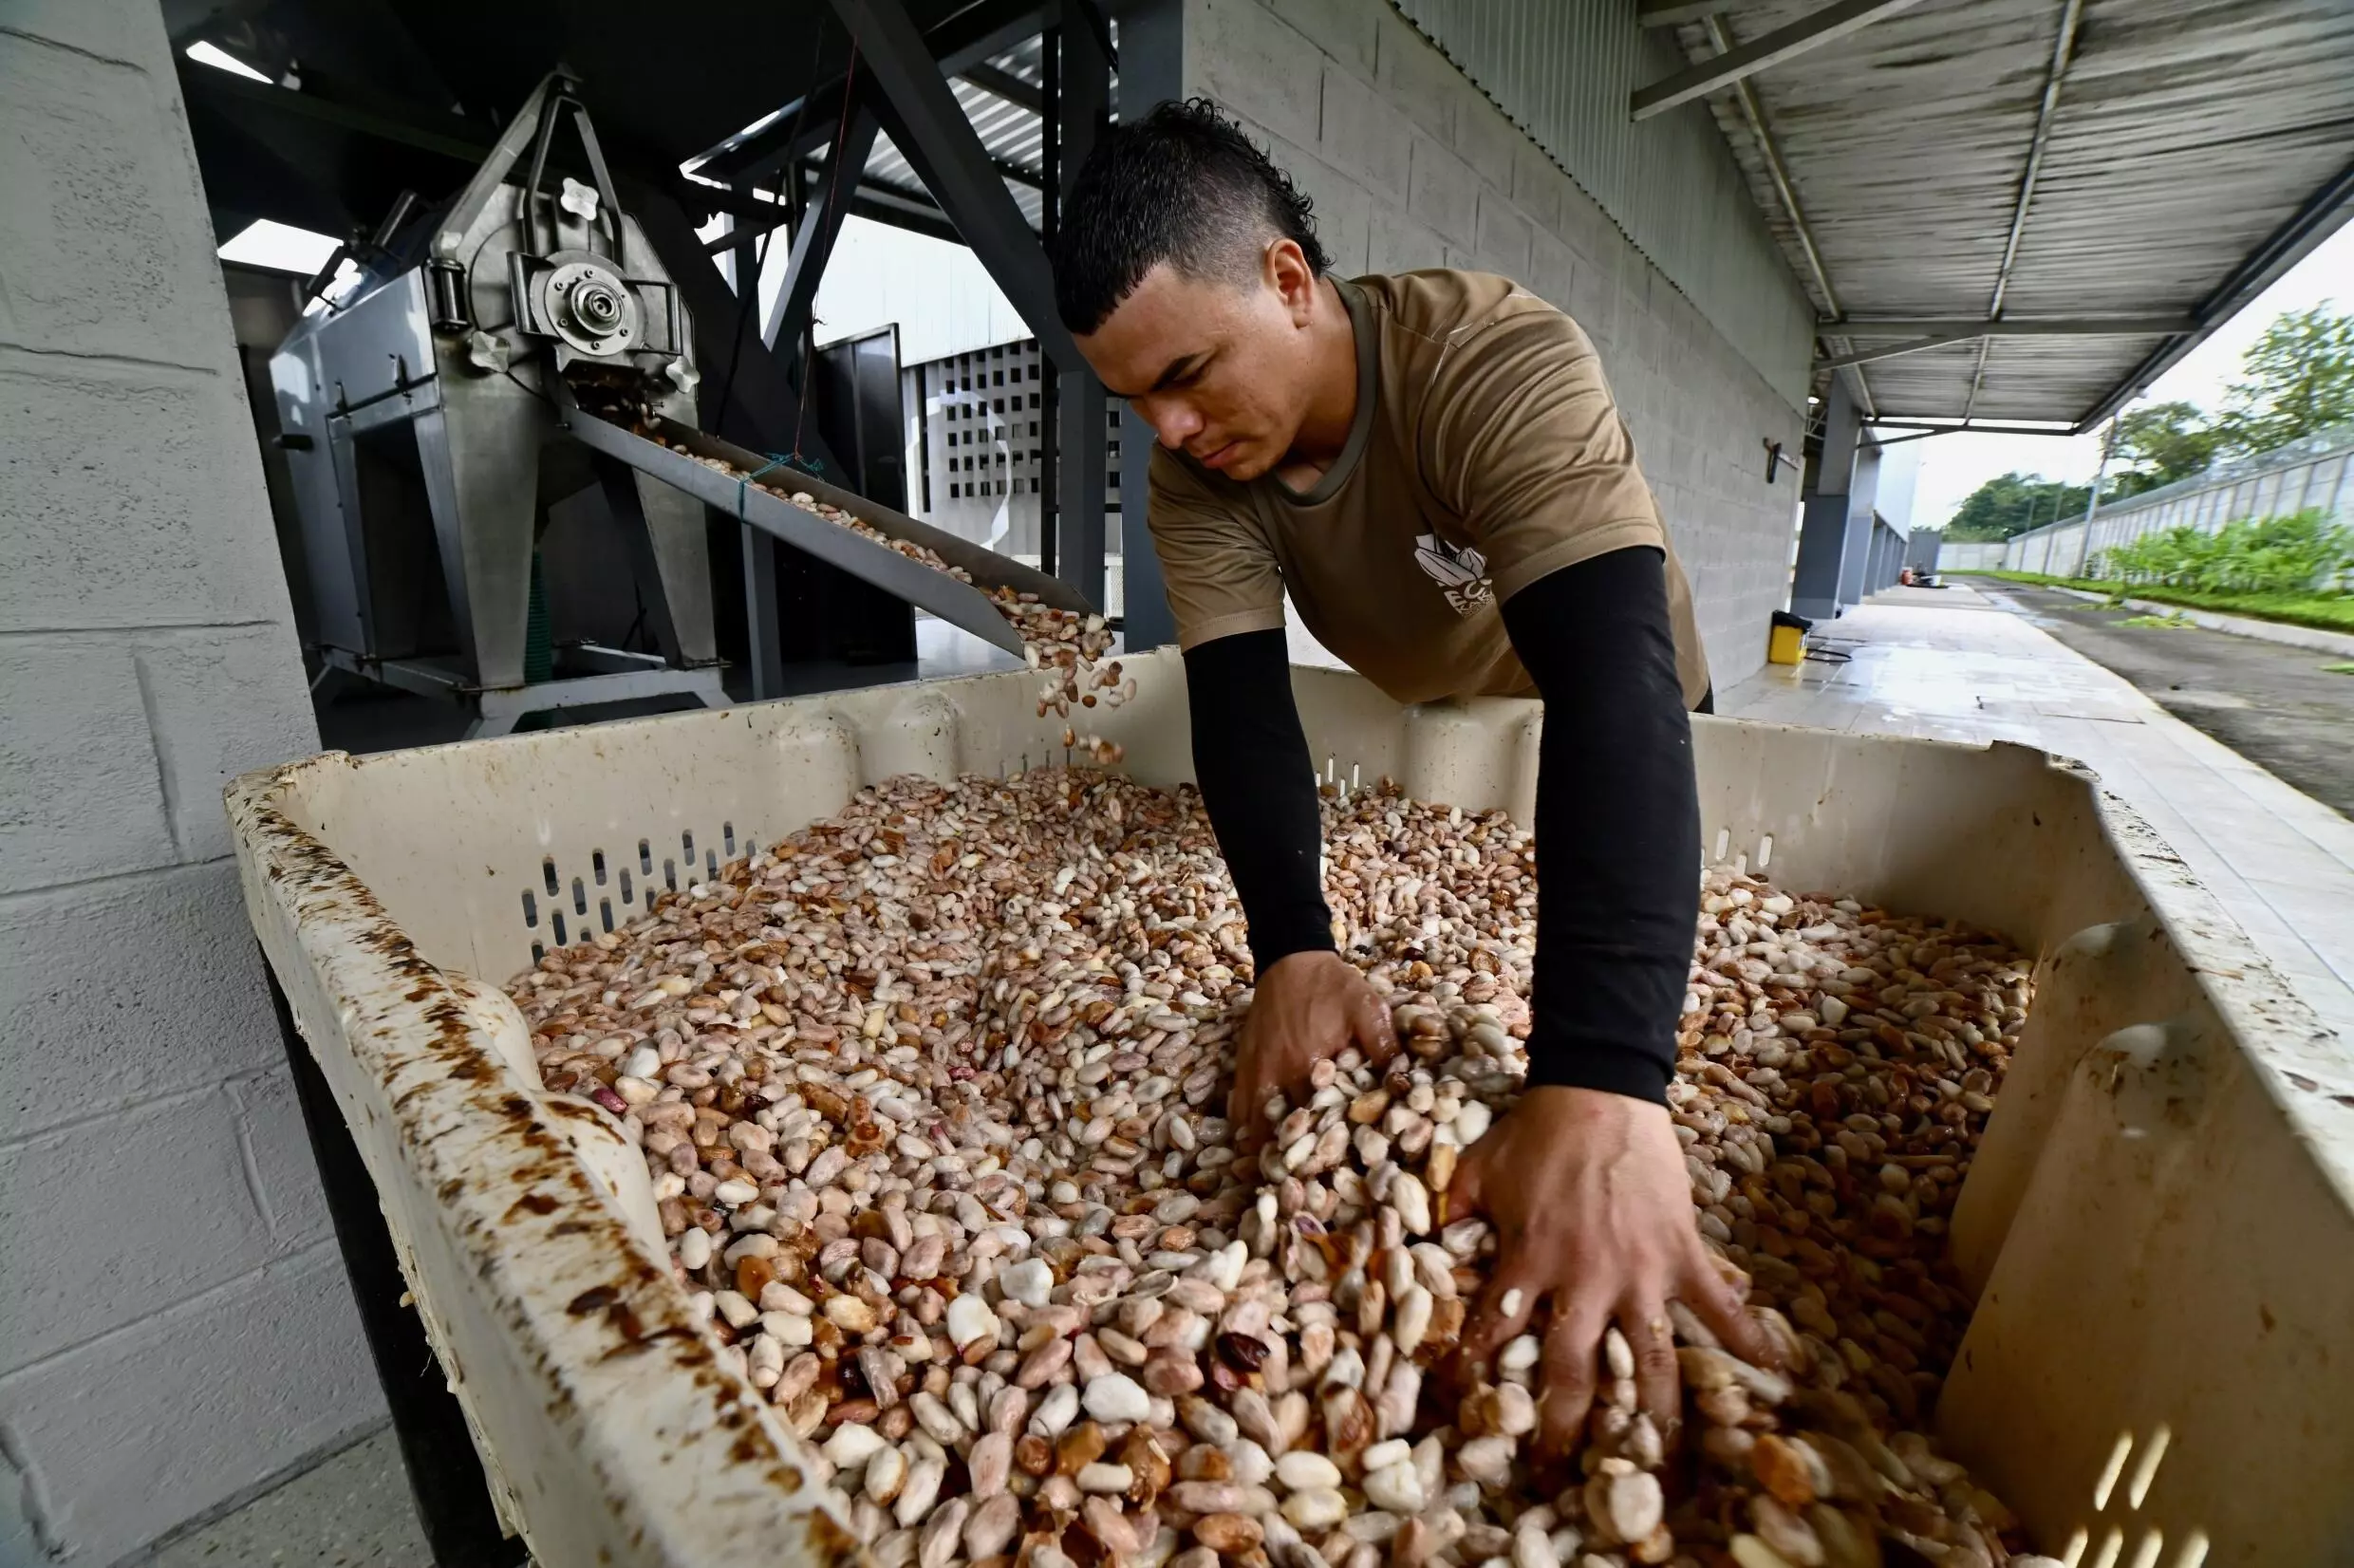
(1461, 573)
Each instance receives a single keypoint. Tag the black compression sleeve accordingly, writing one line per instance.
(1251, 757)
(1617, 825)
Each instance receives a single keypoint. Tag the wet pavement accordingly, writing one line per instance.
(1959, 664)
(2281, 708)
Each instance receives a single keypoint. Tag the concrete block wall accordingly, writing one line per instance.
(175, 1328)
(1410, 165)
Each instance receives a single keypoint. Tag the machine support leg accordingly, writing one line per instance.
(644, 552)
(761, 628)
(446, 1476)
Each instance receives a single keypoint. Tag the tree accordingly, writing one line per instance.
(2013, 503)
(2300, 380)
(2159, 444)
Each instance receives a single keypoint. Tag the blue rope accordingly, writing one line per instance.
(776, 459)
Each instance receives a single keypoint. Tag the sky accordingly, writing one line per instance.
(1953, 466)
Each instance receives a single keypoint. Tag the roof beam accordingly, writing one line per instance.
(821, 222)
(967, 39)
(1005, 84)
(2307, 228)
(2030, 326)
(1674, 14)
(1942, 334)
(932, 132)
(2062, 54)
(1785, 188)
(1809, 32)
(1932, 428)
(1893, 351)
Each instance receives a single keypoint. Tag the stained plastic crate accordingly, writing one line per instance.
(2161, 1217)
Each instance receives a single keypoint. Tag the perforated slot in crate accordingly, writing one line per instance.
(633, 891)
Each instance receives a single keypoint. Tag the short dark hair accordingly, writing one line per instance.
(1184, 186)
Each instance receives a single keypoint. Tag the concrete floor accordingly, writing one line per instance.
(1948, 664)
(350, 1511)
(1953, 664)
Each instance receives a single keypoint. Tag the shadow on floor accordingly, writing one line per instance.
(349, 1511)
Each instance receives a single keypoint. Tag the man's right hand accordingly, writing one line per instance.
(1308, 1006)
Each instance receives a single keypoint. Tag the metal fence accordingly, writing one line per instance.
(2311, 473)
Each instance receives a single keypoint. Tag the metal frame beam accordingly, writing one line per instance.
(788, 315)
(1809, 32)
(1152, 35)
(1893, 351)
(1970, 332)
(2062, 54)
(1082, 78)
(2029, 327)
(1935, 427)
(966, 39)
(930, 128)
(1778, 170)
(1674, 14)
(2282, 249)
(1005, 84)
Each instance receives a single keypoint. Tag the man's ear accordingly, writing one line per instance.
(1287, 273)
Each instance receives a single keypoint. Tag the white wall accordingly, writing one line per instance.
(175, 1328)
(1900, 477)
(1409, 167)
(940, 294)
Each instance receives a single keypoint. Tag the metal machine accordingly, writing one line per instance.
(423, 417)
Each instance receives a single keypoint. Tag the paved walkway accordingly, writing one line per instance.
(1949, 665)
(2280, 705)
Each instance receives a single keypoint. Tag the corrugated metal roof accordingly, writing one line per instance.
(2186, 133)
(1011, 133)
(1563, 73)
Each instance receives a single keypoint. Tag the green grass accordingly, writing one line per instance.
(2177, 621)
(2323, 611)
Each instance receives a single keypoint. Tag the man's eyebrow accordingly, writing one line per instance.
(1176, 367)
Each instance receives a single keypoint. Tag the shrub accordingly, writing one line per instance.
(2299, 552)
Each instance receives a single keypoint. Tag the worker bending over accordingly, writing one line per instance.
(1430, 465)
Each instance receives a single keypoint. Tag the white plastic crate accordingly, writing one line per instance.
(2162, 1216)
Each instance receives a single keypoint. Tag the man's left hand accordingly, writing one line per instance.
(1594, 1215)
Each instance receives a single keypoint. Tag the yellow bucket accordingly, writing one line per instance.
(1785, 645)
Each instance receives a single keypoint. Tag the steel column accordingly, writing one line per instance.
(1083, 81)
(1152, 55)
(1823, 532)
(762, 656)
(1860, 560)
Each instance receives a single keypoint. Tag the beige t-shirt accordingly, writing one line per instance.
(1486, 453)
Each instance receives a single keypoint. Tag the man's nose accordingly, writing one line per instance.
(1172, 421)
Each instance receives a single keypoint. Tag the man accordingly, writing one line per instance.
(1430, 466)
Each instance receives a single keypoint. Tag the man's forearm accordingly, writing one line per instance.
(1251, 759)
(1617, 825)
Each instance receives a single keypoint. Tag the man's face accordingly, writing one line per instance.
(1219, 368)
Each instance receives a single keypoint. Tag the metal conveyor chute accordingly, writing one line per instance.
(959, 603)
